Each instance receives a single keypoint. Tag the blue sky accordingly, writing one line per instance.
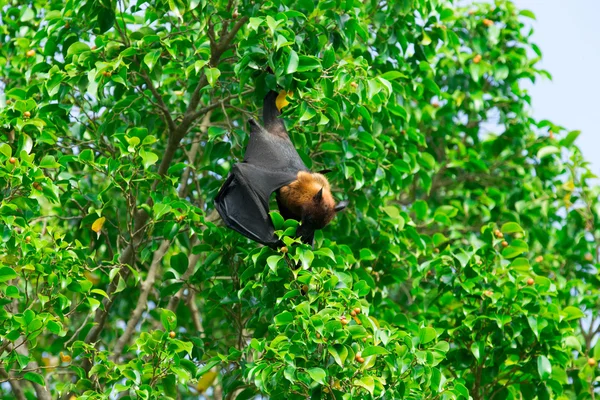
(567, 33)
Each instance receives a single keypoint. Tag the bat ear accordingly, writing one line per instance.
(325, 171)
(319, 196)
(341, 205)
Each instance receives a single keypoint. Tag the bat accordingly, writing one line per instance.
(272, 164)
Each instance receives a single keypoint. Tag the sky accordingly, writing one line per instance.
(568, 34)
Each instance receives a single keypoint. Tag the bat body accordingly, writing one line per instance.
(272, 164)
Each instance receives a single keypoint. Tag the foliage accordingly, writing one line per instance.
(465, 266)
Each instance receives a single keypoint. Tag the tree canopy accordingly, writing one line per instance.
(464, 267)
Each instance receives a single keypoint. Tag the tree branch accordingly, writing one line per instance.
(161, 103)
(142, 300)
(15, 385)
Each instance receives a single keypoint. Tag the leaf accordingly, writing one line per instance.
(168, 319)
(392, 75)
(317, 374)
(254, 23)
(572, 313)
(151, 58)
(98, 224)
(5, 149)
(281, 100)
(544, 367)
(308, 63)
(148, 158)
(6, 274)
(570, 138)
(427, 334)
(285, 318)
(49, 162)
(511, 227)
(77, 48)
(272, 262)
(374, 350)
(366, 382)
(35, 378)
(212, 74)
(292, 65)
(527, 13)
(546, 151)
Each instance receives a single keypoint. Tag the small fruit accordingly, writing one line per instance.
(172, 335)
(488, 22)
(588, 257)
(539, 259)
(27, 239)
(304, 290)
(235, 14)
(354, 84)
(592, 362)
(361, 360)
(27, 114)
(37, 185)
(477, 59)
(436, 250)
(364, 340)
(488, 293)
(30, 53)
(357, 310)
(107, 74)
(180, 218)
(318, 335)
(435, 104)
(353, 313)
(284, 249)
(530, 281)
(12, 160)
(357, 356)
(344, 322)
(504, 243)
(479, 262)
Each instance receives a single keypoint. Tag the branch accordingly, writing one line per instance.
(141, 217)
(40, 390)
(219, 103)
(161, 103)
(142, 300)
(15, 385)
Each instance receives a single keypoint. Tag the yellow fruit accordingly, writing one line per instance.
(30, 53)
(488, 22)
(539, 259)
(477, 59)
(27, 114)
(592, 362)
(12, 160)
(530, 281)
(281, 100)
(172, 335)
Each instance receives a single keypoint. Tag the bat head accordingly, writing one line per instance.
(321, 209)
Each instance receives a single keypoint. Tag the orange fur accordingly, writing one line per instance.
(299, 198)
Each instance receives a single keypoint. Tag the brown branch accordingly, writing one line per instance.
(161, 103)
(141, 217)
(142, 300)
(15, 385)
(40, 390)
(219, 103)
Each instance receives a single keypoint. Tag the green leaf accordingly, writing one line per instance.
(427, 334)
(6, 274)
(5, 149)
(151, 58)
(292, 65)
(285, 318)
(374, 350)
(366, 382)
(527, 13)
(392, 75)
(212, 74)
(168, 319)
(571, 313)
(546, 151)
(49, 162)
(317, 374)
(511, 227)
(35, 378)
(77, 48)
(308, 63)
(148, 158)
(272, 262)
(544, 367)
(570, 138)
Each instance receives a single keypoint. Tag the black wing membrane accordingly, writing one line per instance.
(270, 162)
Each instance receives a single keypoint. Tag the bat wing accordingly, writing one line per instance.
(243, 201)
